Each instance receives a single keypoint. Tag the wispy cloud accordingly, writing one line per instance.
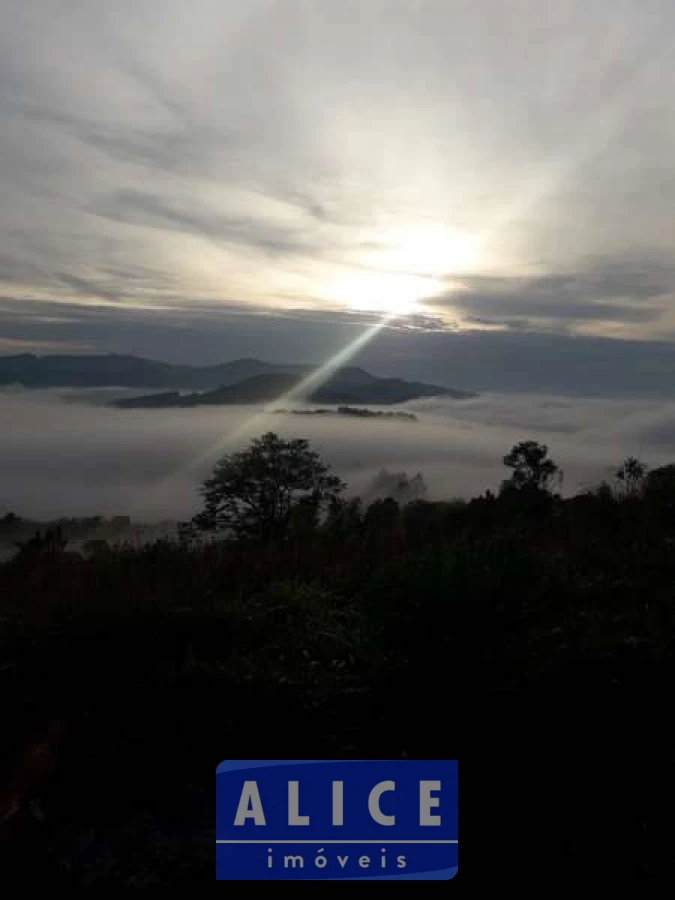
(154, 153)
(139, 208)
(601, 293)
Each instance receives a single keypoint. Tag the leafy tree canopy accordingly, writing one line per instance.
(259, 491)
(532, 469)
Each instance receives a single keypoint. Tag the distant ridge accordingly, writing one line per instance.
(124, 371)
(239, 381)
(344, 387)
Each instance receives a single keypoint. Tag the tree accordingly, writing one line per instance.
(382, 520)
(659, 488)
(532, 470)
(96, 547)
(344, 521)
(10, 520)
(630, 477)
(259, 491)
(396, 486)
(661, 481)
(51, 544)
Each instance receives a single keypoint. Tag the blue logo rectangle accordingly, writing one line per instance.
(336, 819)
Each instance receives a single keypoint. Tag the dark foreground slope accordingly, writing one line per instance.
(535, 644)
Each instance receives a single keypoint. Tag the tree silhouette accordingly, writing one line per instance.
(10, 520)
(532, 470)
(51, 543)
(659, 492)
(630, 477)
(259, 491)
(396, 486)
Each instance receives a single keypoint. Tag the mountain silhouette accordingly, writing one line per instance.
(239, 381)
(124, 372)
(345, 386)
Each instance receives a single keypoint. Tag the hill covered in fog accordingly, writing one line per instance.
(345, 386)
(248, 380)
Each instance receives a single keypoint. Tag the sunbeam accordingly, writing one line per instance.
(254, 422)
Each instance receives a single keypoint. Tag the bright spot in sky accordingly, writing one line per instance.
(430, 250)
(383, 292)
(403, 266)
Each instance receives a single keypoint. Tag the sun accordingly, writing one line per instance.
(401, 267)
(428, 250)
(387, 293)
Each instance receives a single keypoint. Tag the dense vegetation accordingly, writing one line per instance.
(359, 632)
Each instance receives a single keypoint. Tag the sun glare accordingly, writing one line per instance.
(430, 250)
(389, 294)
(403, 266)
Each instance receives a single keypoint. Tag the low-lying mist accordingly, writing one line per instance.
(67, 454)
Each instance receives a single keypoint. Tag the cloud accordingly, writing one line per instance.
(139, 208)
(88, 288)
(202, 332)
(565, 298)
(226, 155)
(71, 458)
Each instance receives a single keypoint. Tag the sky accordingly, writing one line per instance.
(201, 181)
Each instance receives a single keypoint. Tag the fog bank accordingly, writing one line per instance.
(65, 458)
